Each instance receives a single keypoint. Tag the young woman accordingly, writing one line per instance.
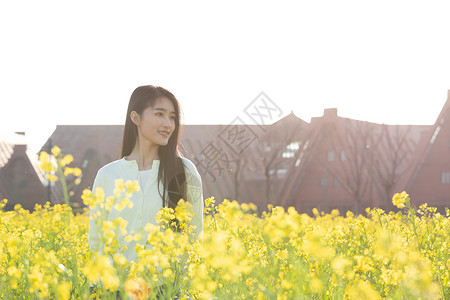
(150, 156)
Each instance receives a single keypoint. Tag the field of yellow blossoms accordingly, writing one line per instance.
(243, 255)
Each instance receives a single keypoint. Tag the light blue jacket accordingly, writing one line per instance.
(146, 203)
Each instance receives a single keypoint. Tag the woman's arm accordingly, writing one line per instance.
(195, 197)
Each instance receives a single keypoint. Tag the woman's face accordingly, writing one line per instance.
(156, 124)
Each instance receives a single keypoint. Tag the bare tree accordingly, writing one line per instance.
(357, 142)
(240, 165)
(275, 156)
(394, 150)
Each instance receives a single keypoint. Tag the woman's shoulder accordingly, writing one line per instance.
(193, 177)
(112, 166)
(190, 166)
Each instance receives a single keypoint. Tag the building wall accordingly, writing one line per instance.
(432, 183)
(322, 184)
(23, 185)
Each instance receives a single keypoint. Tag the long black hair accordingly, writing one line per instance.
(171, 170)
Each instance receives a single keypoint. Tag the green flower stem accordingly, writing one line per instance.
(62, 179)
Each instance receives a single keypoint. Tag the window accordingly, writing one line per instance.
(343, 156)
(293, 146)
(336, 183)
(287, 155)
(300, 157)
(330, 155)
(278, 171)
(445, 177)
(290, 150)
(323, 182)
(436, 132)
(84, 164)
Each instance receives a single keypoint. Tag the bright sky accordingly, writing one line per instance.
(78, 62)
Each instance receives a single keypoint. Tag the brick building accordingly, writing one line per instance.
(428, 179)
(21, 181)
(331, 162)
(349, 164)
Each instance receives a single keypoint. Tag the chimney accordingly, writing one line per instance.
(330, 113)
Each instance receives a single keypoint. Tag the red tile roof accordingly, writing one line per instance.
(6, 150)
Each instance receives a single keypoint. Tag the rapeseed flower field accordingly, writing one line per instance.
(279, 254)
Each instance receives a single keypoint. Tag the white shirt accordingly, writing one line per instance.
(144, 175)
(146, 202)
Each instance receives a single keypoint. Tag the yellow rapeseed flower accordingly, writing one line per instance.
(119, 259)
(316, 285)
(183, 211)
(56, 151)
(77, 172)
(340, 265)
(167, 273)
(63, 290)
(68, 171)
(51, 177)
(45, 162)
(3, 203)
(137, 289)
(67, 159)
(125, 202)
(14, 272)
(315, 212)
(118, 183)
(399, 200)
(362, 290)
(209, 201)
(132, 186)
